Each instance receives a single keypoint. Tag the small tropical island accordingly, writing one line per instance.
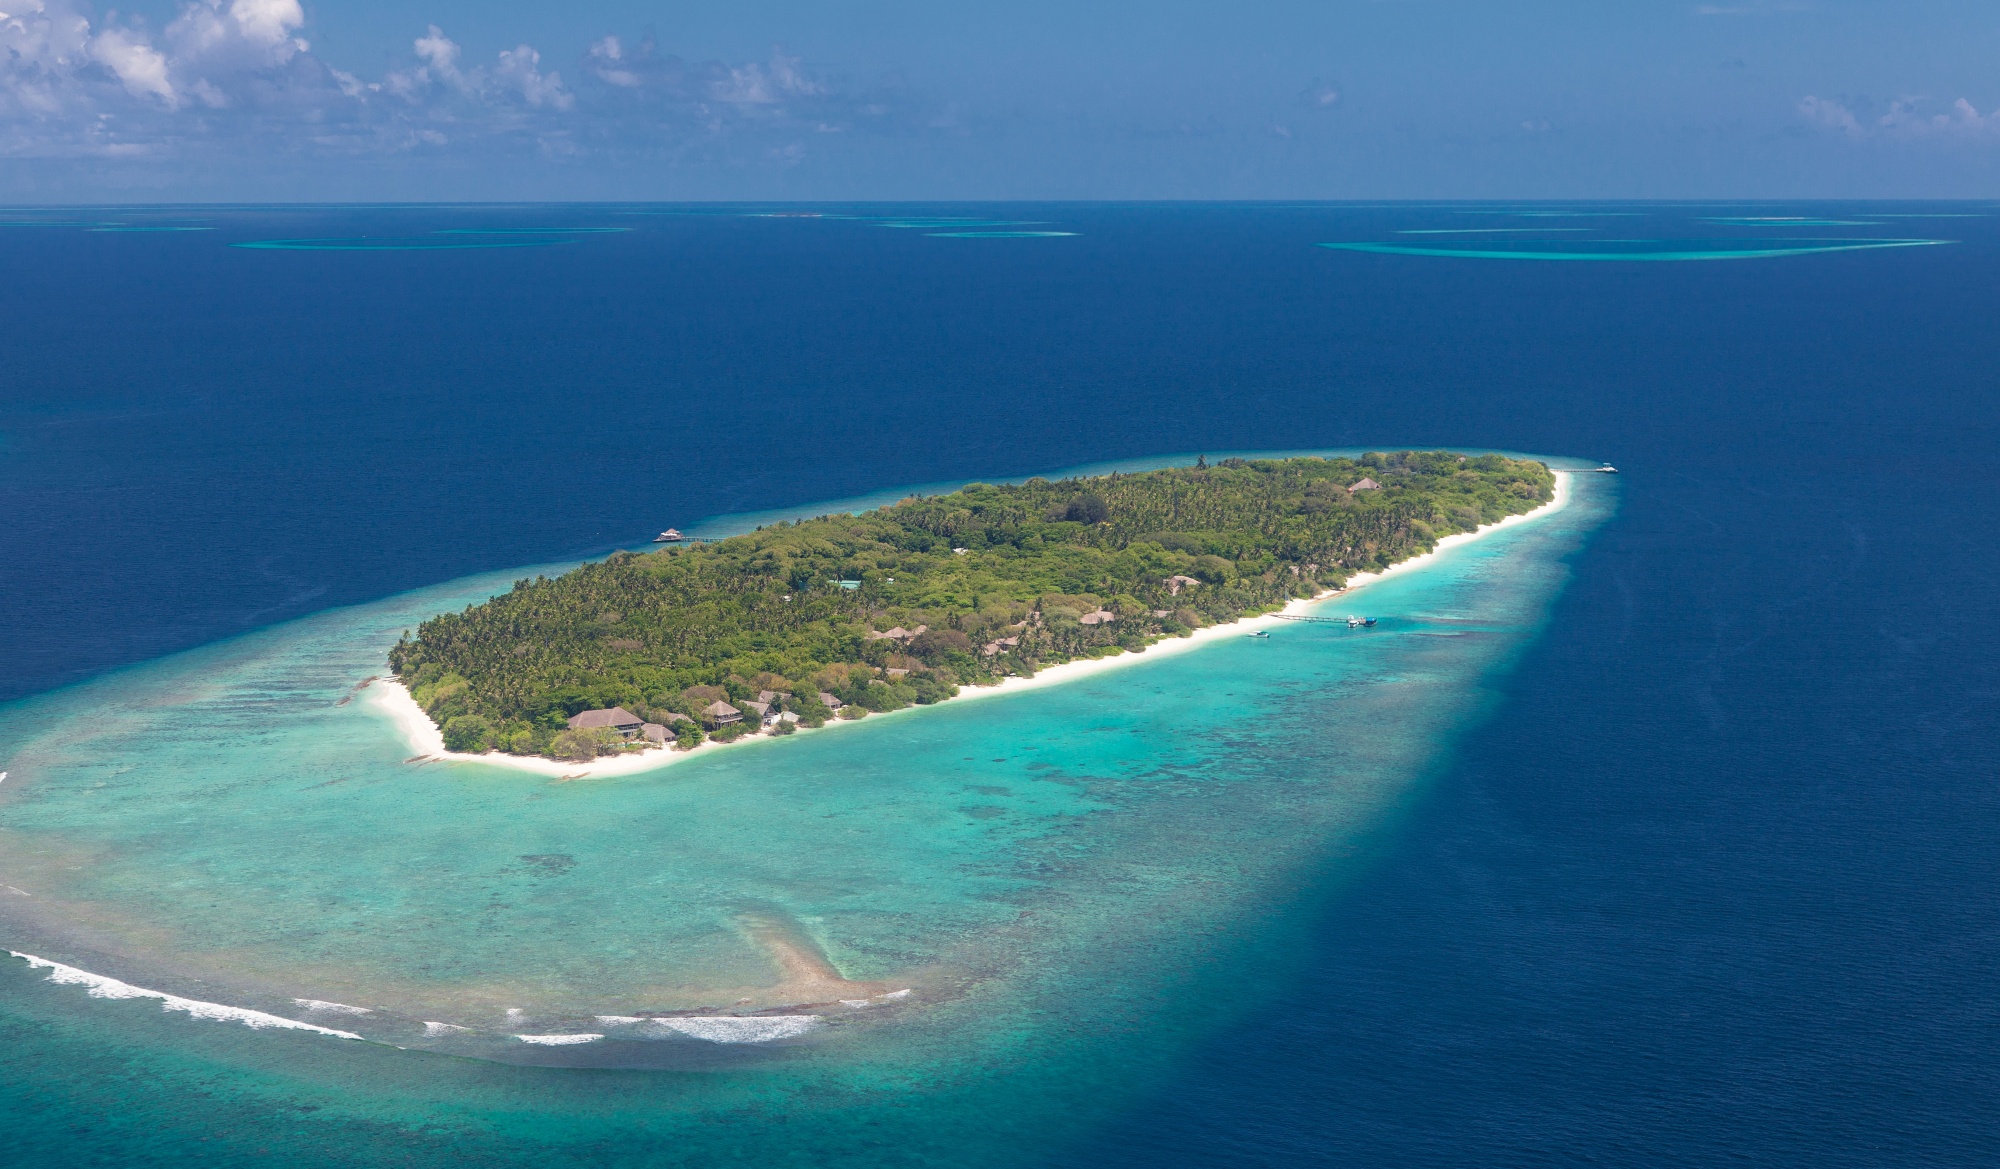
(841, 616)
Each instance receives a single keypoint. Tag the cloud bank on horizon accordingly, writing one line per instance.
(230, 99)
(230, 75)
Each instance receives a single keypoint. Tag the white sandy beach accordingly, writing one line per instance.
(426, 743)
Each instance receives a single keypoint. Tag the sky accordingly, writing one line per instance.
(370, 100)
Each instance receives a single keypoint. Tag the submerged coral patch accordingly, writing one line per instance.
(1215, 772)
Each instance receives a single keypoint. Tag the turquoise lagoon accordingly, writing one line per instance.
(1073, 884)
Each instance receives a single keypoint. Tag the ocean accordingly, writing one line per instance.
(1662, 830)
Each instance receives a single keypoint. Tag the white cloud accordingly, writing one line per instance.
(1830, 114)
(1320, 97)
(1904, 118)
(237, 75)
(268, 21)
(137, 65)
(519, 72)
(438, 52)
(607, 59)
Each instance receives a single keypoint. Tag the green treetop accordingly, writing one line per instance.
(982, 583)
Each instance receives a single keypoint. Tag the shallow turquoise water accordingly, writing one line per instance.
(1076, 882)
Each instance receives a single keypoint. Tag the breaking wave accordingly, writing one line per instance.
(740, 1029)
(103, 987)
(712, 1028)
(560, 1040)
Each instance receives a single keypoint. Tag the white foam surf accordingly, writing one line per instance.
(332, 1008)
(558, 1040)
(433, 1030)
(741, 1029)
(102, 987)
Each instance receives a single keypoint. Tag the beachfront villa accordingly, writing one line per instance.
(898, 633)
(617, 719)
(720, 714)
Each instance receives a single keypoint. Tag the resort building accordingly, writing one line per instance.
(1366, 485)
(654, 733)
(1176, 583)
(1101, 617)
(617, 718)
(829, 701)
(720, 714)
(899, 633)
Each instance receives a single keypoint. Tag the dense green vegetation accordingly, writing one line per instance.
(1001, 579)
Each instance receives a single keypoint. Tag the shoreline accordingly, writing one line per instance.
(425, 740)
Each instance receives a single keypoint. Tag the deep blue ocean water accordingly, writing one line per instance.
(1717, 879)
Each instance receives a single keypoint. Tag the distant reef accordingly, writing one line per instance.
(843, 615)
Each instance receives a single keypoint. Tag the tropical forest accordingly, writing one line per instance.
(845, 615)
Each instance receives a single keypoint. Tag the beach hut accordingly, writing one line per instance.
(617, 718)
(829, 701)
(720, 714)
(654, 733)
(898, 633)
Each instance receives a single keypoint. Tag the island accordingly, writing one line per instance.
(845, 615)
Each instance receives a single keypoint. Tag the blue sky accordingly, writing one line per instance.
(894, 99)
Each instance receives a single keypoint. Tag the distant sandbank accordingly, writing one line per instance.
(426, 742)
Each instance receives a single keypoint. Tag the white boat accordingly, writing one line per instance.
(670, 536)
